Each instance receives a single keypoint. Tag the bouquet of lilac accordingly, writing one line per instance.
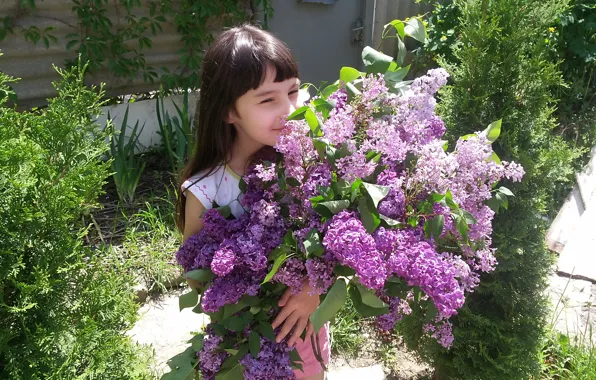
(363, 200)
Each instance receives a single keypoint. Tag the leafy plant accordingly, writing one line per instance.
(176, 133)
(120, 47)
(125, 164)
(62, 315)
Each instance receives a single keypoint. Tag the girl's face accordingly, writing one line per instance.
(260, 113)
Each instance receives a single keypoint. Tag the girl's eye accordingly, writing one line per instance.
(293, 92)
(267, 101)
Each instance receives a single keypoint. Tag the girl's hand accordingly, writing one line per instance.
(295, 314)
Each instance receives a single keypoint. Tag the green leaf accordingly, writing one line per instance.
(313, 122)
(375, 61)
(352, 91)
(197, 342)
(200, 275)
(369, 298)
(494, 204)
(494, 157)
(505, 191)
(493, 130)
(299, 113)
(431, 312)
(234, 373)
(181, 365)
(276, 264)
(322, 106)
(312, 243)
(401, 52)
(397, 76)
(363, 309)
(390, 222)
(415, 29)
(348, 74)
(333, 302)
(330, 208)
(434, 226)
(188, 300)
(502, 198)
(369, 215)
(468, 136)
(234, 323)
(254, 343)
(267, 330)
(327, 91)
(343, 270)
(295, 356)
(462, 227)
(449, 201)
(399, 27)
(245, 301)
(376, 192)
(292, 181)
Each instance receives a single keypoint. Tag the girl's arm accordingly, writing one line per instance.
(193, 223)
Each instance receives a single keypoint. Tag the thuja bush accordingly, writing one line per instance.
(502, 70)
(62, 314)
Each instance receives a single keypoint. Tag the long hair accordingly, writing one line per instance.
(235, 63)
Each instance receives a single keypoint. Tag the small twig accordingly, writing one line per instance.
(98, 228)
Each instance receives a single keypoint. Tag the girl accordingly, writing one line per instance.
(249, 84)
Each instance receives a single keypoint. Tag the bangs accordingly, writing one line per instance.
(253, 53)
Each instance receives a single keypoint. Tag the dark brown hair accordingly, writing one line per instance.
(236, 62)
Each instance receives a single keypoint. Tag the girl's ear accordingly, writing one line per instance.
(231, 116)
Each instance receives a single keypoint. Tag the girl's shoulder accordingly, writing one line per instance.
(209, 187)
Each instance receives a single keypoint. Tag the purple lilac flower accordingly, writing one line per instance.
(210, 357)
(415, 260)
(223, 261)
(442, 332)
(229, 289)
(296, 146)
(320, 274)
(196, 252)
(340, 126)
(291, 274)
(273, 362)
(355, 166)
(348, 241)
(431, 82)
(320, 175)
(340, 98)
(266, 173)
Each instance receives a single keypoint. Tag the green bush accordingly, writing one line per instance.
(62, 314)
(502, 69)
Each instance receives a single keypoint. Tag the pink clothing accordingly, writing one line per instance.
(311, 365)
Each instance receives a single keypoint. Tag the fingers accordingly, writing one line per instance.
(283, 314)
(284, 298)
(298, 329)
(287, 327)
(309, 330)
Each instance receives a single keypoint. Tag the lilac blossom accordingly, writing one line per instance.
(292, 274)
(347, 239)
(273, 362)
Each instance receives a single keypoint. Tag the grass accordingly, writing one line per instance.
(567, 356)
(141, 234)
(347, 334)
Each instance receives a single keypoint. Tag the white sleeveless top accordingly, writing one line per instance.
(221, 187)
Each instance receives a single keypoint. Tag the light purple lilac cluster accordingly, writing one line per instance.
(399, 127)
